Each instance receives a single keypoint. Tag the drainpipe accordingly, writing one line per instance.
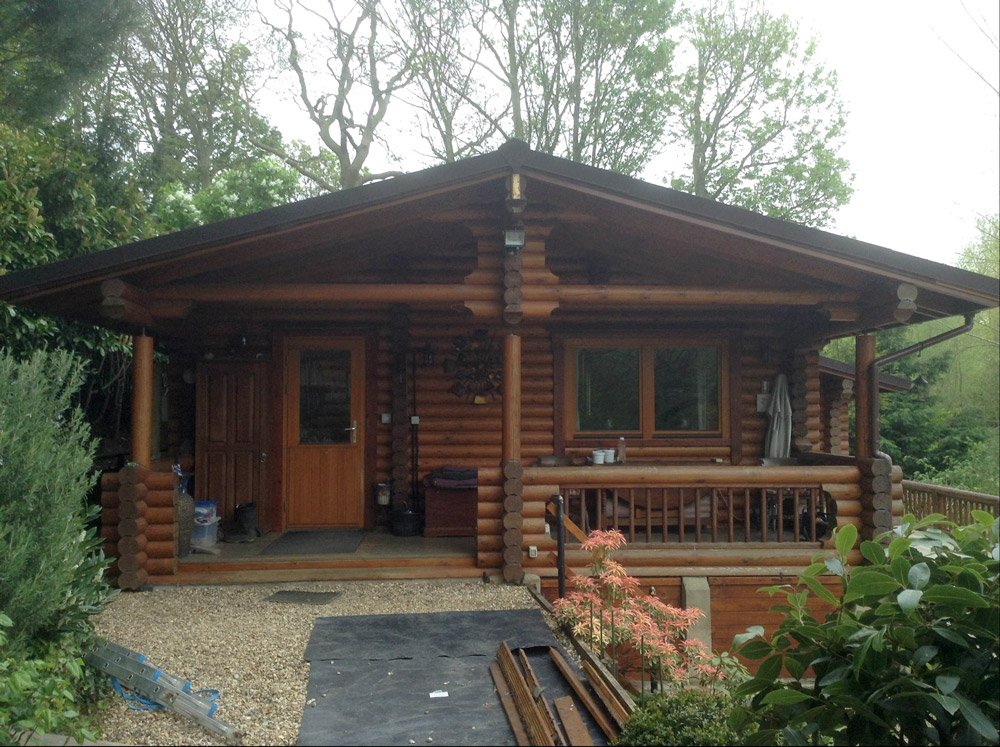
(886, 359)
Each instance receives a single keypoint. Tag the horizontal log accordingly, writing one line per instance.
(513, 520)
(132, 527)
(161, 549)
(880, 519)
(132, 474)
(160, 515)
(132, 579)
(109, 499)
(495, 494)
(109, 481)
(109, 517)
(131, 545)
(709, 475)
(492, 543)
(161, 532)
(161, 498)
(489, 559)
(131, 509)
(111, 534)
(132, 562)
(132, 492)
(512, 555)
(161, 566)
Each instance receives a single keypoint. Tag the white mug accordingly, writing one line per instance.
(598, 456)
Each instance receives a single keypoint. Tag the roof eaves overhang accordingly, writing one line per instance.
(971, 287)
(74, 271)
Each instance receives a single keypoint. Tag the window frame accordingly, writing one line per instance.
(647, 345)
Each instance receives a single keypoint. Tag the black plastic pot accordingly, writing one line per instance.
(405, 522)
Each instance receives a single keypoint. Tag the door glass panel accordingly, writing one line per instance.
(687, 389)
(607, 389)
(325, 397)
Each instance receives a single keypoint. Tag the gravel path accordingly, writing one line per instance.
(229, 638)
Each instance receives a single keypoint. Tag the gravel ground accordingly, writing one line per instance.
(229, 638)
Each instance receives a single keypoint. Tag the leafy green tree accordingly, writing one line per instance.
(179, 92)
(245, 189)
(48, 210)
(48, 47)
(760, 119)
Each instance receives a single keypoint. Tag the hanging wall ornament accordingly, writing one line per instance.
(477, 365)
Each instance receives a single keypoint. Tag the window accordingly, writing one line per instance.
(650, 389)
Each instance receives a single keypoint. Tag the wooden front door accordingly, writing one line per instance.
(324, 432)
(230, 455)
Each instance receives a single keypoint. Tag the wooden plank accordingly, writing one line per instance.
(576, 731)
(571, 526)
(533, 721)
(609, 729)
(538, 693)
(614, 707)
(507, 701)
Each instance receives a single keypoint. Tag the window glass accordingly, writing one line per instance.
(325, 397)
(686, 382)
(607, 389)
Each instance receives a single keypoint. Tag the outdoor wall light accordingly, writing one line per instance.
(514, 236)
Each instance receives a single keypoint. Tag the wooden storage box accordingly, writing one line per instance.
(450, 512)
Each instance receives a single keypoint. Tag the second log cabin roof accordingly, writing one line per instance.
(381, 230)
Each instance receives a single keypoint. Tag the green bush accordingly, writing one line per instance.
(686, 717)
(51, 568)
(910, 654)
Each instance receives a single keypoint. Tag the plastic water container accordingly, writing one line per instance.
(206, 509)
(205, 532)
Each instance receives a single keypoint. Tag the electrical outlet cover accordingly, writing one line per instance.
(532, 551)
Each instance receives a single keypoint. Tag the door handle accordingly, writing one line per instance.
(354, 431)
(263, 457)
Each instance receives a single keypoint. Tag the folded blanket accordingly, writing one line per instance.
(440, 482)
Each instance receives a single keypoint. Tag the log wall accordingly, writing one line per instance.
(139, 524)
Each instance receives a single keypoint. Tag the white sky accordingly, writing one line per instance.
(923, 131)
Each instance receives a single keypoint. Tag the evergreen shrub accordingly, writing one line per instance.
(52, 569)
(686, 717)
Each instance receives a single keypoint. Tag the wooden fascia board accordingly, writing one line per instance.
(875, 266)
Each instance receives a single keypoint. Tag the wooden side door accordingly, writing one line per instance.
(324, 432)
(230, 457)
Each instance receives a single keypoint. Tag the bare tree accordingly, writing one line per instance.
(347, 72)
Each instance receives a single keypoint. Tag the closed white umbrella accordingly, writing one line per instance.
(778, 444)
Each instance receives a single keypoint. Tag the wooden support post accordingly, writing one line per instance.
(142, 399)
(863, 361)
(511, 399)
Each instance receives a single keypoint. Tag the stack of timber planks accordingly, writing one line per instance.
(536, 720)
(139, 524)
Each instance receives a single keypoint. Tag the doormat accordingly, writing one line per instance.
(303, 597)
(420, 678)
(316, 542)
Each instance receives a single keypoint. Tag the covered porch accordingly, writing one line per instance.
(487, 316)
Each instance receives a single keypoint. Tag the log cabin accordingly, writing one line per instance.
(511, 313)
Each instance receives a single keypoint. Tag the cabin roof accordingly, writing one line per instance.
(66, 286)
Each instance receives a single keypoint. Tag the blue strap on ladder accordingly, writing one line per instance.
(133, 701)
(138, 703)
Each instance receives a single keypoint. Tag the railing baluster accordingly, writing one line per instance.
(763, 515)
(680, 513)
(599, 499)
(614, 507)
(746, 514)
(664, 493)
(631, 516)
(715, 513)
(697, 514)
(813, 516)
(731, 510)
(649, 515)
(796, 522)
(780, 525)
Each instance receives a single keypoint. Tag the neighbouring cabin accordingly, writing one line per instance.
(508, 314)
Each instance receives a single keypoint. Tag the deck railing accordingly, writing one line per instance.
(921, 499)
(695, 513)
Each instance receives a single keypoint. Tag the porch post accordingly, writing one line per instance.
(142, 399)
(864, 359)
(511, 398)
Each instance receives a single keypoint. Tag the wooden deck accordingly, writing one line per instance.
(380, 556)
